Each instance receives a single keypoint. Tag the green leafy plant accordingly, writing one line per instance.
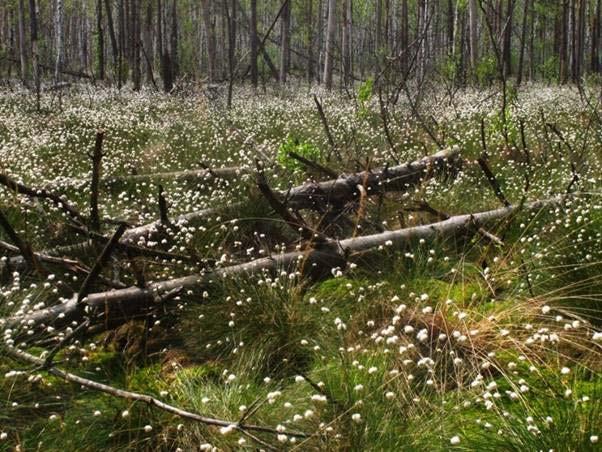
(486, 70)
(365, 91)
(302, 148)
(364, 94)
(549, 69)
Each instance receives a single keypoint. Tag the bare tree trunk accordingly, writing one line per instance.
(127, 23)
(159, 44)
(507, 26)
(211, 44)
(595, 56)
(136, 61)
(451, 22)
(320, 38)
(378, 38)
(285, 41)
(473, 33)
(33, 20)
(22, 51)
(580, 50)
(58, 30)
(532, 46)
(564, 42)
(330, 35)
(148, 42)
(231, 16)
(523, 43)
(254, 41)
(423, 13)
(112, 37)
(574, 42)
(100, 36)
(309, 20)
(173, 40)
(347, 44)
(462, 45)
(404, 35)
(163, 51)
(82, 31)
(122, 39)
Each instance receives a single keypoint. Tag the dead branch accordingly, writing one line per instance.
(314, 165)
(493, 182)
(333, 146)
(100, 263)
(23, 356)
(18, 263)
(575, 174)
(187, 175)
(124, 246)
(49, 358)
(385, 119)
(163, 208)
(96, 157)
(529, 169)
(44, 194)
(294, 220)
(24, 247)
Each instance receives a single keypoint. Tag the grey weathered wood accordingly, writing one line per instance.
(331, 255)
(23, 356)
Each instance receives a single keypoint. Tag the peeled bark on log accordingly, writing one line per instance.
(118, 306)
(338, 192)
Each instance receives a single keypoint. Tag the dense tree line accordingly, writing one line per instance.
(335, 42)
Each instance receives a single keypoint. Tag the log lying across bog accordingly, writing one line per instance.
(113, 307)
(319, 196)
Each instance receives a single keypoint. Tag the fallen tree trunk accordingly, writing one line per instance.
(316, 196)
(116, 306)
(189, 175)
(338, 192)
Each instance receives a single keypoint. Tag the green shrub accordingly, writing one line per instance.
(304, 149)
(486, 70)
(364, 94)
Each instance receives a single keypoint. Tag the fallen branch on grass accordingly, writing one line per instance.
(23, 247)
(331, 142)
(18, 263)
(43, 193)
(25, 357)
(96, 158)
